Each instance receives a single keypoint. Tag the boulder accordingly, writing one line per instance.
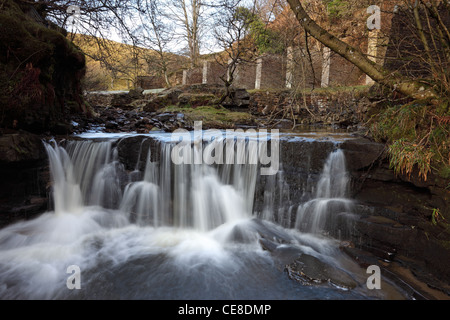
(137, 93)
(361, 152)
(239, 98)
(160, 101)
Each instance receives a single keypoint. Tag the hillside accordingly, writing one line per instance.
(112, 65)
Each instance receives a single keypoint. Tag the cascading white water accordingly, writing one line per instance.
(196, 196)
(84, 173)
(170, 232)
(330, 201)
(68, 197)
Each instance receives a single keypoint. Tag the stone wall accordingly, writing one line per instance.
(343, 73)
(272, 72)
(299, 69)
(295, 70)
(213, 72)
(303, 72)
(150, 82)
(245, 75)
(193, 76)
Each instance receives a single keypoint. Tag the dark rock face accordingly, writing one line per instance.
(396, 211)
(238, 99)
(392, 214)
(25, 174)
(133, 151)
(361, 153)
(21, 147)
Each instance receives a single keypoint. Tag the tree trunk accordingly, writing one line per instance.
(393, 80)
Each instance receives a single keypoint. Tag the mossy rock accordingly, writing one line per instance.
(157, 103)
(197, 99)
(40, 73)
(216, 117)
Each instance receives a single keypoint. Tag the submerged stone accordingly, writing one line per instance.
(309, 269)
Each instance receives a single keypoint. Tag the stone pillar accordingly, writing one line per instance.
(205, 72)
(258, 76)
(183, 81)
(372, 48)
(326, 62)
(289, 67)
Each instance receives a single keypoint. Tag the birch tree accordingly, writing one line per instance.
(189, 16)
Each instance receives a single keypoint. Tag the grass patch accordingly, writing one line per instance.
(212, 116)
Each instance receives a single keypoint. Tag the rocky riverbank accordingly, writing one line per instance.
(139, 111)
(142, 111)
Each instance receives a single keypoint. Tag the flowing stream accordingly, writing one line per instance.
(176, 231)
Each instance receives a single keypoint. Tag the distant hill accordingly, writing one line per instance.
(112, 65)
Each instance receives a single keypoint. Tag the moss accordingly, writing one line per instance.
(444, 172)
(212, 116)
(194, 100)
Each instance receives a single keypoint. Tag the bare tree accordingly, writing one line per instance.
(232, 22)
(155, 33)
(189, 16)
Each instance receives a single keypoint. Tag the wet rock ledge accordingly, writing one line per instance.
(25, 176)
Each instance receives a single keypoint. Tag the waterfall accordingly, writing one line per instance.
(328, 208)
(153, 229)
(84, 173)
(198, 196)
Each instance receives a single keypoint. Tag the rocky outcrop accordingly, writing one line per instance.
(396, 211)
(40, 73)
